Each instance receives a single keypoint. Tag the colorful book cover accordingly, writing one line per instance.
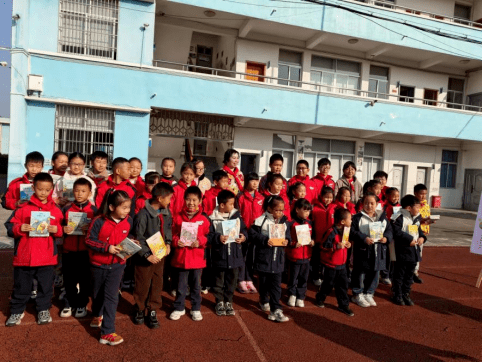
(413, 230)
(376, 230)
(189, 233)
(476, 241)
(40, 221)
(303, 234)
(68, 189)
(277, 234)
(156, 245)
(78, 220)
(231, 228)
(345, 235)
(379, 206)
(128, 248)
(395, 213)
(26, 191)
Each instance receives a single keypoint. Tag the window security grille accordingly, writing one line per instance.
(84, 130)
(89, 27)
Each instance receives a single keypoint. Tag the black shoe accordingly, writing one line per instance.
(417, 279)
(319, 303)
(346, 310)
(138, 317)
(229, 309)
(220, 309)
(398, 300)
(153, 322)
(407, 300)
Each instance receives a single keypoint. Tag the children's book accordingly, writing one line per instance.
(189, 233)
(345, 235)
(78, 220)
(303, 234)
(128, 248)
(376, 230)
(156, 245)
(26, 191)
(379, 206)
(68, 189)
(40, 221)
(413, 230)
(231, 228)
(395, 213)
(277, 234)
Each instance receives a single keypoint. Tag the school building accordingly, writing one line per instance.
(388, 84)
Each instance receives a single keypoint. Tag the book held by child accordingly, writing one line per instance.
(231, 228)
(78, 220)
(40, 222)
(68, 189)
(303, 234)
(156, 245)
(189, 233)
(26, 191)
(376, 230)
(128, 248)
(277, 234)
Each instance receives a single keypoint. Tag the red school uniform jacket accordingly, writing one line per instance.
(172, 180)
(349, 206)
(141, 200)
(382, 196)
(34, 251)
(321, 182)
(187, 257)
(323, 219)
(12, 196)
(103, 233)
(177, 200)
(209, 200)
(108, 184)
(139, 186)
(262, 186)
(250, 207)
(76, 243)
(389, 209)
(310, 186)
(330, 255)
(286, 212)
(293, 253)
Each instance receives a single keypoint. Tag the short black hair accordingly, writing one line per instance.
(349, 164)
(271, 201)
(342, 190)
(83, 181)
(168, 159)
(340, 214)
(161, 190)
(389, 191)
(326, 190)
(56, 155)
(409, 201)
(301, 203)
(293, 188)
(136, 159)
(34, 157)
(380, 174)
(228, 154)
(99, 155)
(117, 162)
(224, 196)
(249, 177)
(276, 157)
(186, 166)
(370, 184)
(193, 190)
(43, 177)
(367, 195)
(77, 155)
(419, 187)
(305, 162)
(323, 161)
(219, 174)
(151, 177)
(271, 177)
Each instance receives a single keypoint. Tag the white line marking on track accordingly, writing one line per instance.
(251, 339)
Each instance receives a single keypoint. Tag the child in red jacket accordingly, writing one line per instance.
(343, 200)
(221, 181)
(303, 176)
(136, 166)
(323, 179)
(250, 205)
(298, 253)
(189, 253)
(35, 257)
(150, 179)
(334, 257)
(295, 192)
(75, 257)
(187, 180)
(274, 187)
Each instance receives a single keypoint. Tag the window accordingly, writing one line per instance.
(455, 92)
(372, 160)
(448, 169)
(338, 151)
(430, 95)
(462, 12)
(378, 82)
(84, 130)
(285, 146)
(474, 102)
(406, 94)
(89, 27)
(338, 73)
(290, 68)
(385, 3)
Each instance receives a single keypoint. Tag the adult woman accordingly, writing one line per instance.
(235, 176)
(201, 180)
(350, 181)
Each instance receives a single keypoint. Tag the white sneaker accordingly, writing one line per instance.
(299, 303)
(278, 316)
(66, 312)
(196, 315)
(175, 315)
(317, 282)
(80, 312)
(291, 300)
(359, 300)
(265, 307)
(370, 299)
(173, 293)
(204, 291)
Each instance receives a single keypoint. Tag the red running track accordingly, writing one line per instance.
(445, 325)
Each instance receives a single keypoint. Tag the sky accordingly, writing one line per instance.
(5, 41)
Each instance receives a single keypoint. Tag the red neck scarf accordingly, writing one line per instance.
(351, 184)
(234, 174)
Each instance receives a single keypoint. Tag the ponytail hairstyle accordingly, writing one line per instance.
(114, 198)
(272, 201)
(293, 188)
(340, 191)
(301, 203)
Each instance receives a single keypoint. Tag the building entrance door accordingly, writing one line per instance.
(398, 178)
(472, 192)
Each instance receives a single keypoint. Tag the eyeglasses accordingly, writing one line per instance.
(201, 169)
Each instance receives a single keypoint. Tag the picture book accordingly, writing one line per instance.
(26, 191)
(189, 233)
(68, 189)
(303, 234)
(379, 206)
(395, 213)
(40, 222)
(156, 245)
(345, 235)
(128, 248)
(78, 220)
(277, 234)
(376, 230)
(476, 241)
(231, 228)
(413, 230)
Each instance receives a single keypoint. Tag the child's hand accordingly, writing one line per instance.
(136, 242)
(420, 241)
(20, 202)
(195, 244)
(153, 259)
(26, 228)
(68, 229)
(298, 245)
(114, 249)
(348, 245)
(413, 243)
(384, 240)
(369, 241)
(241, 239)
(285, 243)
(340, 245)
(223, 239)
(168, 249)
(312, 243)
(181, 244)
(52, 229)
(85, 228)
(270, 243)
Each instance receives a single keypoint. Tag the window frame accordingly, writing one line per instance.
(334, 73)
(455, 163)
(456, 105)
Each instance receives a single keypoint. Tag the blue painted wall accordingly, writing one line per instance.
(40, 128)
(5, 139)
(44, 19)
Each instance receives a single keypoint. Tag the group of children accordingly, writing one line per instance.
(298, 227)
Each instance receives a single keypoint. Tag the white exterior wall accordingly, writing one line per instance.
(172, 43)
(259, 142)
(473, 84)
(257, 52)
(440, 7)
(476, 15)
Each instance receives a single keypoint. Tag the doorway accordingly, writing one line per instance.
(399, 178)
(248, 163)
(204, 58)
(430, 97)
(257, 69)
(472, 191)
(422, 176)
(406, 93)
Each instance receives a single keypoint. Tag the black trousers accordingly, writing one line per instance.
(315, 264)
(298, 275)
(22, 288)
(388, 272)
(348, 262)
(270, 284)
(334, 278)
(207, 276)
(225, 283)
(191, 278)
(76, 270)
(403, 277)
(245, 272)
(105, 294)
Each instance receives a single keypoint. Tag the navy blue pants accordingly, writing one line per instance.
(191, 278)
(334, 278)
(403, 277)
(105, 294)
(298, 275)
(23, 278)
(225, 284)
(76, 270)
(270, 289)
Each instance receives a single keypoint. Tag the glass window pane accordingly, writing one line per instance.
(328, 79)
(336, 167)
(322, 145)
(353, 83)
(450, 156)
(341, 83)
(348, 67)
(283, 142)
(283, 73)
(372, 149)
(311, 159)
(366, 169)
(372, 87)
(379, 72)
(451, 181)
(295, 76)
(456, 84)
(443, 176)
(343, 147)
(288, 56)
(315, 77)
(322, 62)
(288, 164)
